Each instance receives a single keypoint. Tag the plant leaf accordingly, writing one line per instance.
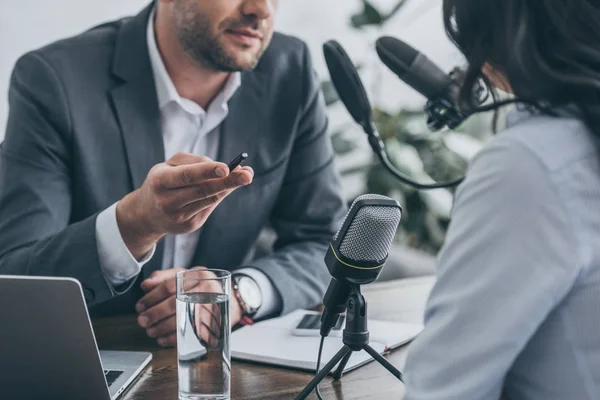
(368, 16)
(395, 10)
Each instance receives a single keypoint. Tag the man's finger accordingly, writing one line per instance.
(177, 198)
(157, 295)
(159, 312)
(192, 209)
(182, 158)
(207, 318)
(167, 286)
(216, 330)
(206, 333)
(157, 277)
(214, 318)
(248, 169)
(168, 341)
(207, 337)
(149, 284)
(191, 174)
(208, 324)
(163, 328)
(244, 168)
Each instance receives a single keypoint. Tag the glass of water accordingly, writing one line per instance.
(203, 331)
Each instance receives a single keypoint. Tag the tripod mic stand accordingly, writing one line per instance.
(355, 338)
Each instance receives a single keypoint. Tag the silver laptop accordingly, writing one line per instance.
(47, 345)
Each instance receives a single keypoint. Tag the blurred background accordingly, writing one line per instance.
(356, 24)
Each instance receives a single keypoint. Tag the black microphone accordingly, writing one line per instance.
(348, 85)
(358, 251)
(420, 73)
(413, 67)
(351, 91)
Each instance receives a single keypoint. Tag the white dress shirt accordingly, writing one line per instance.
(186, 127)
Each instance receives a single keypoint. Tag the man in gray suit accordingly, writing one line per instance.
(85, 190)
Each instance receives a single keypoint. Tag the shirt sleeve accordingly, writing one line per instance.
(508, 260)
(271, 299)
(117, 263)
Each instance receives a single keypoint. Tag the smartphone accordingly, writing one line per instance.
(310, 325)
(236, 162)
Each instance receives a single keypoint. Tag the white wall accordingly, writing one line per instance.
(28, 24)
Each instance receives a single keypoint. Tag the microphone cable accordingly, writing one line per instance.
(317, 391)
(387, 164)
(378, 148)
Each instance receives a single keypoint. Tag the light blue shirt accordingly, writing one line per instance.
(516, 307)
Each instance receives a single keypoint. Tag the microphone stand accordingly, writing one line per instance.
(355, 338)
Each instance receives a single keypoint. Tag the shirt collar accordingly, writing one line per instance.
(522, 112)
(165, 89)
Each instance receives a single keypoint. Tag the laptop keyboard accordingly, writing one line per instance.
(111, 376)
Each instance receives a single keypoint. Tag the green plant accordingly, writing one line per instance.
(371, 16)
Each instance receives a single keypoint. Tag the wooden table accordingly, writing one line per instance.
(402, 301)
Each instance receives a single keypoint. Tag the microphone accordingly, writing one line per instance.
(358, 251)
(420, 73)
(352, 93)
(348, 85)
(355, 257)
(413, 67)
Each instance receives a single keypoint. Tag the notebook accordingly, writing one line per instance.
(272, 342)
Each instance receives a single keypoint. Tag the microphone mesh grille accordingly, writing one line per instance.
(371, 232)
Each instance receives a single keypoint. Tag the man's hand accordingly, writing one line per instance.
(177, 196)
(157, 309)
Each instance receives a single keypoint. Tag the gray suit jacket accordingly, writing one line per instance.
(84, 130)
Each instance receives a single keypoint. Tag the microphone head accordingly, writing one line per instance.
(413, 67)
(347, 83)
(360, 248)
(396, 53)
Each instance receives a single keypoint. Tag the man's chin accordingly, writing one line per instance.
(241, 61)
(247, 64)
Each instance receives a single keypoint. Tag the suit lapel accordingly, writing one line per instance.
(135, 100)
(138, 115)
(136, 106)
(240, 132)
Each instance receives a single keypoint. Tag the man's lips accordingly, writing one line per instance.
(247, 32)
(246, 36)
